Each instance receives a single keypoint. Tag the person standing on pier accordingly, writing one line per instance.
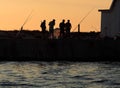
(43, 26)
(62, 28)
(68, 27)
(51, 27)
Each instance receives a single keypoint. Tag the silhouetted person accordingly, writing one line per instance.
(43, 26)
(68, 27)
(51, 27)
(62, 27)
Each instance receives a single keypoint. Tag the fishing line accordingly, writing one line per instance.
(83, 18)
(27, 18)
(21, 28)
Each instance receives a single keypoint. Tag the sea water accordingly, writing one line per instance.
(59, 75)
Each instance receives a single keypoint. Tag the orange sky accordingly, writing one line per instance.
(13, 13)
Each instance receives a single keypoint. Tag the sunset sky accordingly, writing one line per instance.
(13, 13)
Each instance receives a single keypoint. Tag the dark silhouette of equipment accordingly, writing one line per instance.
(82, 21)
(21, 28)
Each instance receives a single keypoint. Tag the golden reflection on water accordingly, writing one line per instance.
(82, 69)
(55, 75)
(28, 71)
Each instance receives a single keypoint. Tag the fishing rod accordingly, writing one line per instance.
(27, 18)
(83, 19)
(21, 28)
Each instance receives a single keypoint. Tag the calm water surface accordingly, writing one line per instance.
(59, 75)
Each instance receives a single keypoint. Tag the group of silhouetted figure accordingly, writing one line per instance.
(63, 27)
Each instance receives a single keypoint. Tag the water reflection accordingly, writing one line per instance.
(59, 75)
